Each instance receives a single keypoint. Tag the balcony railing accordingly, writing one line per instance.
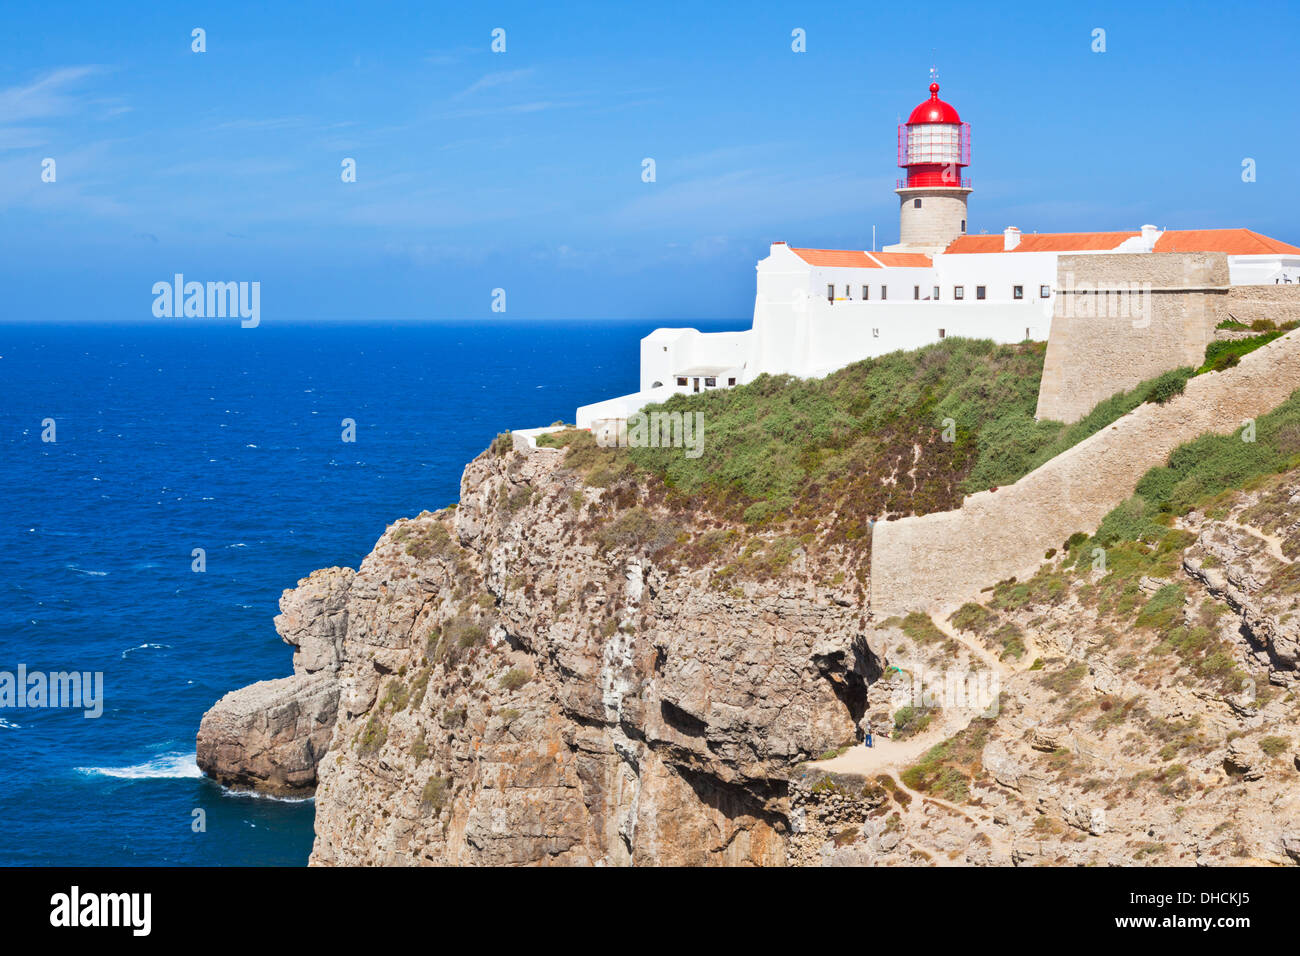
(963, 183)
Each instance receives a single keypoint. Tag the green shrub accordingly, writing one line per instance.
(1164, 608)
(373, 736)
(1226, 353)
(638, 529)
(920, 628)
(909, 721)
(1011, 639)
(434, 796)
(946, 769)
(1167, 386)
(1273, 745)
(515, 678)
(973, 617)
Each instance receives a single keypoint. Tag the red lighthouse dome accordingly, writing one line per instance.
(934, 145)
(933, 110)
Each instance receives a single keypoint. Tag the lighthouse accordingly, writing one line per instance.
(934, 148)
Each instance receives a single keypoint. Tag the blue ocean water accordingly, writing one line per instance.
(179, 436)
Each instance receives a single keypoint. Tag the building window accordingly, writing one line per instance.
(875, 333)
(731, 381)
(942, 333)
(830, 293)
(866, 294)
(848, 292)
(916, 292)
(681, 380)
(979, 292)
(710, 383)
(884, 292)
(916, 204)
(1044, 291)
(936, 293)
(959, 292)
(963, 225)
(1017, 292)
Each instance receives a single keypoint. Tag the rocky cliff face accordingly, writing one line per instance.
(569, 671)
(271, 735)
(540, 676)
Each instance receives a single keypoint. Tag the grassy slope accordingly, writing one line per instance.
(869, 440)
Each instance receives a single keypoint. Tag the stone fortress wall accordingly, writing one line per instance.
(1108, 334)
(937, 561)
(1248, 303)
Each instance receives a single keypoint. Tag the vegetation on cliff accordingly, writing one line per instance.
(905, 433)
(1200, 471)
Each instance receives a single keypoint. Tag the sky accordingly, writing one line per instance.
(522, 170)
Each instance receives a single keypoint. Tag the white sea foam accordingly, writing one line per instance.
(9, 725)
(254, 795)
(141, 647)
(168, 765)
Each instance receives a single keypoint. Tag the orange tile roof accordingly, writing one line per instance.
(850, 258)
(1043, 242)
(853, 259)
(903, 259)
(1233, 242)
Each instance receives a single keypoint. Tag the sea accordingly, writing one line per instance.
(126, 448)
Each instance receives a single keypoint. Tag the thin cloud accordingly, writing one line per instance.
(493, 80)
(273, 122)
(50, 95)
(537, 106)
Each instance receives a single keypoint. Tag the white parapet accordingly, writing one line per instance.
(620, 408)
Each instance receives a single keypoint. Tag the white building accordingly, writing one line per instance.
(818, 310)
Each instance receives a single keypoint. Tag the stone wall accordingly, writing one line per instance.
(1120, 319)
(939, 560)
(1276, 303)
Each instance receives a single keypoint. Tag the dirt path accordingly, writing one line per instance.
(982, 824)
(1032, 647)
(1272, 542)
(888, 753)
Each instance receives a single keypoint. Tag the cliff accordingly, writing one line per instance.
(547, 674)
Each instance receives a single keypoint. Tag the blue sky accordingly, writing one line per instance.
(522, 169)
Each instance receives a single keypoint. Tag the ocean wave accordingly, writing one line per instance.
(141, 647)
(255, 795)
(93, 574)
(168, 765)
(9, 725)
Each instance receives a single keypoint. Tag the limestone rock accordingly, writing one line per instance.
(269, 736)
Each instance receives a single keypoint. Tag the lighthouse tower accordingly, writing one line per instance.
(934, 148)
